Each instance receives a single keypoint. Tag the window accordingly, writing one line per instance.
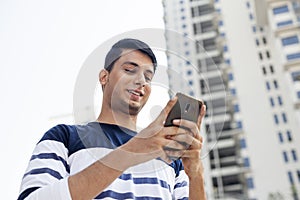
(280, 137)
(239, 124)
(284, 118)
(250, 16)
(284, 23)
(293, 56)
(250, 183)
(248, 4)
(298, 94)
(190, 82)
(221, 23)
(230, 76)
(271, 69)
(290, 175)
(264, 40)
(183, 25)
(285, 157)
(294, 155)
(246, 162)
(298, 175)
(264, 70)
(183, 17)
(236, 108)
(281, 9)
(296, 76)
(227, 61)
(268, 85)
(233, 91)
(279, 100)
(257, 42)
(243, 143)
(260, 56)
(268, 54)
(272, 102)
(189, 72)
(254, 29)
(290, 40)
(187, 53)
(289, 136)
(275, 84)
(276, 119)
(191, 93)
(225, 48)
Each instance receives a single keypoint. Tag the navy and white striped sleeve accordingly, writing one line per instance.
(46, 176)
(181, 188)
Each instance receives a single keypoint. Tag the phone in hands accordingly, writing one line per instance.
(186, 107)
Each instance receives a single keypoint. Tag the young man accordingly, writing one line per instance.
(108, 158)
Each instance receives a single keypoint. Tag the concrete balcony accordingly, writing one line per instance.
(289, 28)
(290, 64)
(226, 171)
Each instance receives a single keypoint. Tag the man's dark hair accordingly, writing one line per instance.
(116, 50)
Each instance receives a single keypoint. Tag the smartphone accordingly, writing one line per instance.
(186, 107)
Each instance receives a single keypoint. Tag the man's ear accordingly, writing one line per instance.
(103, 77)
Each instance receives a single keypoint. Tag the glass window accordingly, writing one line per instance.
(294, 155)
(284, 118)
(264, 40)
(275, 84)
(233, 91)
(272, 102)
(227, 61)
(276, 119)
(280, 137)
(230, 76)
(285, 157)
(279, 100)
(236, 108)
(281, 9)
(239, 124)
(293, 56)
(250, 183)
(284, 23)
(268, 54)
(290, 176)
(264, 70)
(248, 4)
(246, 162)
(298, 175)
(189, 72)
(260, 56)
(254, 29)
(268, 85)
(298, 94)
(225, 48)
(271, 69)
(296, 76)
(191, 82)
(257, 42)
(243, 143)
(220, 23)
(290, 40)
(250, 16)
(289, 136)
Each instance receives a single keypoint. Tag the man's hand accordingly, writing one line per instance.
(152, 141)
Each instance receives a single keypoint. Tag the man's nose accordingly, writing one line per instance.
(140, 80)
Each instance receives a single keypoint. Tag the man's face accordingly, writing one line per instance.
(128, 86)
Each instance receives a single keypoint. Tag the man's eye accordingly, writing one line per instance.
(129, 70)
(148, 79)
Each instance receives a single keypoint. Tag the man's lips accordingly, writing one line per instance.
(136, 92)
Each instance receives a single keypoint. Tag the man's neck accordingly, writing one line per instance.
(119, 118)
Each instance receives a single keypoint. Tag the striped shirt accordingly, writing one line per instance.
(67, 149)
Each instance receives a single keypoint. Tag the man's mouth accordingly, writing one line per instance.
(136, 92)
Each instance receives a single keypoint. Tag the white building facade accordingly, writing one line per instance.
(249, 77)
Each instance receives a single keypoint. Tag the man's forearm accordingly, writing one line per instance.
(91, 181)
(196, 188)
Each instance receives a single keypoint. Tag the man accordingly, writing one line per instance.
(109, 158)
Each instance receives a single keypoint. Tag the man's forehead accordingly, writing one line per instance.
(129, 56)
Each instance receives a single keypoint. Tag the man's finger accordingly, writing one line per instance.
(164, 113)
(202, 114)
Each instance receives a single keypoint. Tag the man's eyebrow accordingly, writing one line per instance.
(136, 65)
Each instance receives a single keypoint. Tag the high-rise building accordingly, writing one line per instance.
(242, 57)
